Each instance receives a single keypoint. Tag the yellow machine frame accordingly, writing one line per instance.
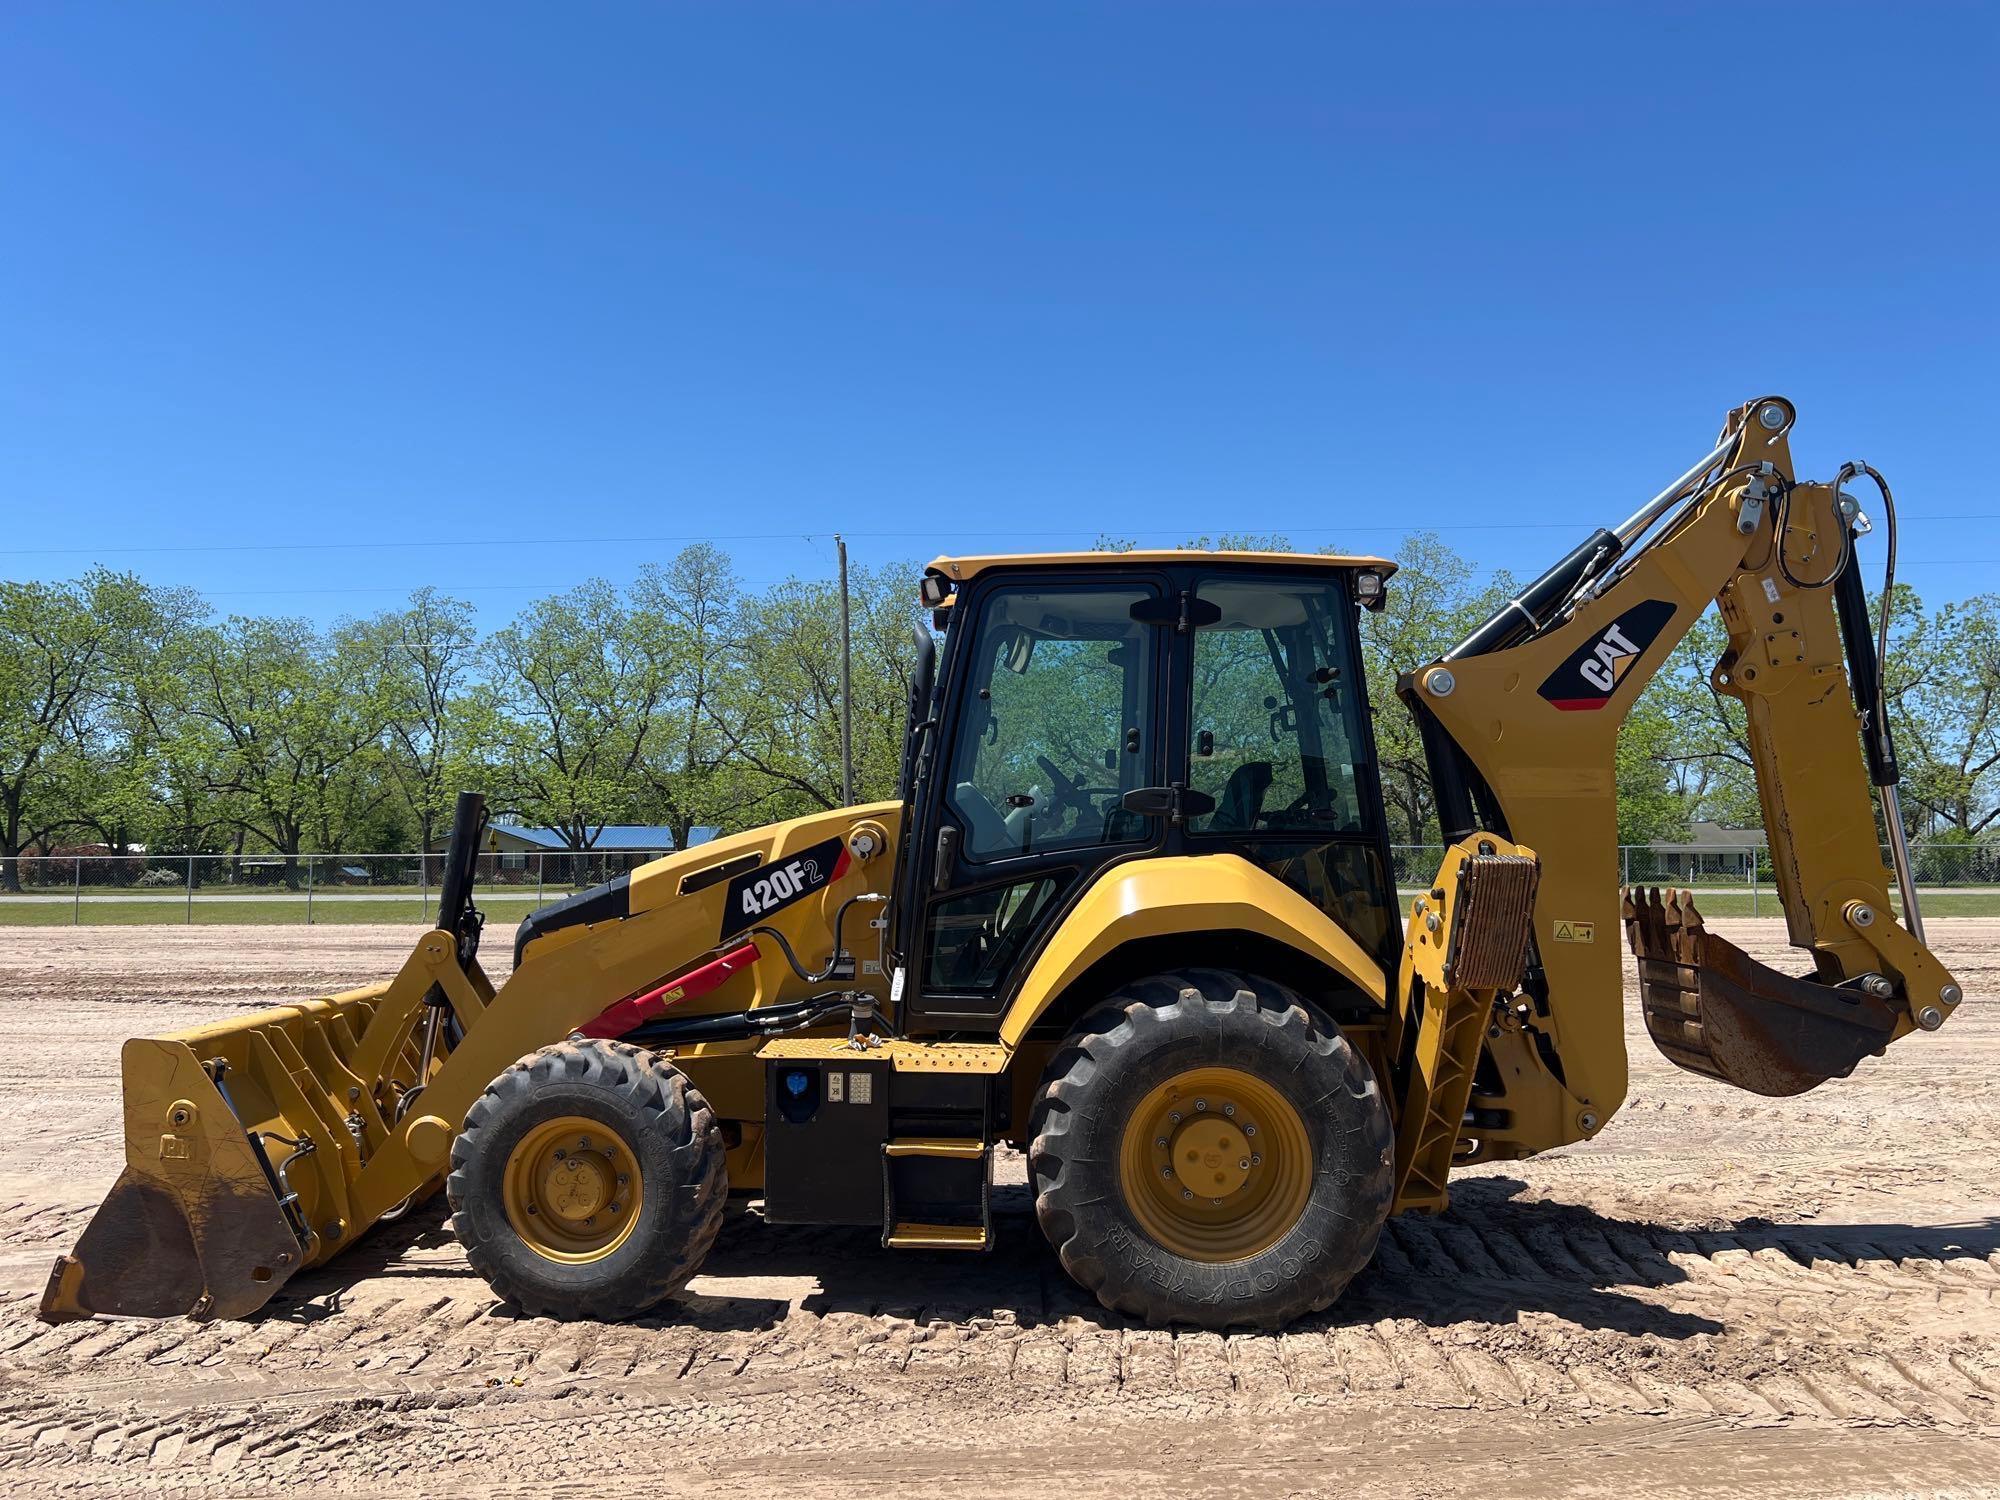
(277, 1139)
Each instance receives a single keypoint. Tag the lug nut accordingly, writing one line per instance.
(1229, 1109)
(1244, 1165)
(1187, 1192)
(561, 1155)
(1249, 1129)
(1256, 1160)
(1161, 1143)
(1166, 1171)
(1200, 1105)
(1175, 1116)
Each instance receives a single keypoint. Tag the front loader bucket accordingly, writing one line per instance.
(193, 1225)
(242, 1142)
(1713, 1009)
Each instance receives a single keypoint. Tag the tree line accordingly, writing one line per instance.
(133, 715)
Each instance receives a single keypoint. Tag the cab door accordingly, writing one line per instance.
(1053, 715)
(1279, 753)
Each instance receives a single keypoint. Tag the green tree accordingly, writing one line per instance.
(696, 609)
(1434, 602)
(288, 724)
(1945, 711)
(781, 719)
(438, 717)
(58, 642)
(578, 680)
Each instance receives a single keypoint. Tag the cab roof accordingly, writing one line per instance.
(962, 569)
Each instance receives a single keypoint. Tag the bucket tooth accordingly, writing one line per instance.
(1712, 1009)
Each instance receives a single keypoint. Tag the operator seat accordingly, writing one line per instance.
(1242, 801)
(987, 832)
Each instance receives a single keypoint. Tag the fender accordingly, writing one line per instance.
(1180, 894)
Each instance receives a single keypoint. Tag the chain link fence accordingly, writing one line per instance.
(306, 888)
(312, 888)
(1738, 879)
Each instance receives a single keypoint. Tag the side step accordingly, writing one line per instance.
(951, 1150)
(938, 1237)
(945, 1184)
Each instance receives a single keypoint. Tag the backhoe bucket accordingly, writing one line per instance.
(1713, 1009)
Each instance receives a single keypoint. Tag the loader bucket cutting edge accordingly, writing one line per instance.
(193, 1227)
(1712, 1009)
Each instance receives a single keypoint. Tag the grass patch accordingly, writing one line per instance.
(413, 913)
(1713, 903)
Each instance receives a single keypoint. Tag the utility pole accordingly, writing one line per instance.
(846, 686)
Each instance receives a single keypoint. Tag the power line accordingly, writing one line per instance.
(815, 536)
(762, 583)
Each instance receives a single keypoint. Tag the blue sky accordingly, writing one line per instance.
(403, 284)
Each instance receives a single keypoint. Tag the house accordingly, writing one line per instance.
(1710, 849)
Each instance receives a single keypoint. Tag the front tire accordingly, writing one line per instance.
(1204, 1151)
(589, 1181)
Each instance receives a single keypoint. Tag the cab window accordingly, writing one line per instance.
(1275, 732)
(1057, 723)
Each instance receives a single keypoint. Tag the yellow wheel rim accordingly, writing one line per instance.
(573, 1190)
(1216, 1165)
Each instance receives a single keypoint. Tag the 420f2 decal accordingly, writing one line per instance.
(756, 894)
(1592, 673)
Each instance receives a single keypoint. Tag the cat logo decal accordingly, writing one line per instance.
(1587, 680)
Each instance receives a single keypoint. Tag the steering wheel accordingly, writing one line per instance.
(1067, 793)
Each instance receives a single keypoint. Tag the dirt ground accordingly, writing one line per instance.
(1720, 1295)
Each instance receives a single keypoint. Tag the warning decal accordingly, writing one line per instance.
(1576, 932)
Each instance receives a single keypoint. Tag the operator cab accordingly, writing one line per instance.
(1092, 708)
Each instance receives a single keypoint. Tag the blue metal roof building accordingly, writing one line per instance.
(506, 838)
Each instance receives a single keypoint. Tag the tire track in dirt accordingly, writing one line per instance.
(1714, 1265)
(1565, 1317)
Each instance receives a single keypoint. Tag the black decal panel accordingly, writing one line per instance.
(1592, 674)
(770, 888)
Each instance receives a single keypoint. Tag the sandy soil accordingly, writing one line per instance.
(1721, 1295)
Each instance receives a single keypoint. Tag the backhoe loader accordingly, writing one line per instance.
(1131, 912)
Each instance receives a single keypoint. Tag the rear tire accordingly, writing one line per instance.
(1170, 1210)
(589, 1181)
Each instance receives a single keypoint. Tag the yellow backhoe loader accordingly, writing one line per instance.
(1132, 912)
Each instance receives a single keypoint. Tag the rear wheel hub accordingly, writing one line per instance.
(1216, 1164)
